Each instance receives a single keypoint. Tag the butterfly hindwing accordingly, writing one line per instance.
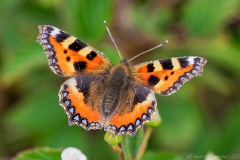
(166, 76)
(79, 97)
(68, 56)
(137, 105)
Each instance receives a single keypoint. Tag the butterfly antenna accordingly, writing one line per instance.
(105, 22)
(149, 50)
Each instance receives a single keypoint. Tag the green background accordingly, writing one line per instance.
(204, 116)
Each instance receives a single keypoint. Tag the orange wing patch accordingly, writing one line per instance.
(74, 100)
(166, 76)
(129, 117)
(68, 56)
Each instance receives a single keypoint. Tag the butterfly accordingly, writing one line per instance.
(117, 98)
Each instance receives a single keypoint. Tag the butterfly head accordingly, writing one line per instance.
(124, 61)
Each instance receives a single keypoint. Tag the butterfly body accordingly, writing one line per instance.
(117, 98)
(114, 84)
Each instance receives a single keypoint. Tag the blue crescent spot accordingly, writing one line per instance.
(84, 121)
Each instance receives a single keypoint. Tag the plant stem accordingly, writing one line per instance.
(118, 150)
(143, 145)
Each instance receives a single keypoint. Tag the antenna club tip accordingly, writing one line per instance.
(166, 41)
(105, 22)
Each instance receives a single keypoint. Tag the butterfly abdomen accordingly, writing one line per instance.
(115, 83)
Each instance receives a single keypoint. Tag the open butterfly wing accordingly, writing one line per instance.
(137, 105)
(68, 56)
(166, 76)
(80, 102)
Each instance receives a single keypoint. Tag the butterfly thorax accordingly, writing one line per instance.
(115, 83)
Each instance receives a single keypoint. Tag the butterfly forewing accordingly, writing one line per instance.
(68, 56)
(166, 76)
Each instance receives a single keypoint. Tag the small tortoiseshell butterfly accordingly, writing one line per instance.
(117, 98)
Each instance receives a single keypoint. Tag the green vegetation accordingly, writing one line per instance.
(203, 117)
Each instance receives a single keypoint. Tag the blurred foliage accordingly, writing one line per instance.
(39, 154)
(203, 116)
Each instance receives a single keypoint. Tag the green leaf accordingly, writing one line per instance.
(86, 17)
(223, 54)
(39, 111)
(205, 18)
(131, 144)
(228, 139)
(181, 119)
(223, 62)
(161, 156)
(222, 83)
(111, 53)
(156, 20)
(40, 154)
(21, 63)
